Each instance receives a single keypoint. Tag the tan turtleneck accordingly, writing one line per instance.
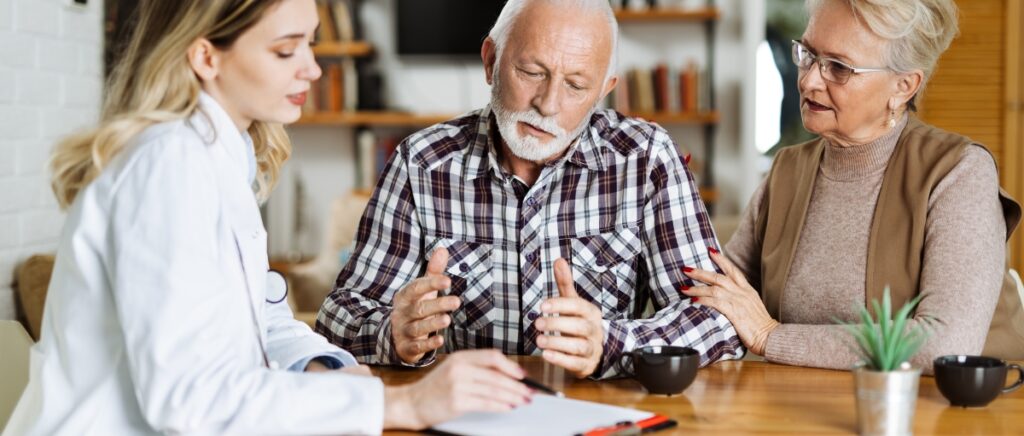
(962, 269)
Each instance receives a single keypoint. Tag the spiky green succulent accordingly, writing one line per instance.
(884, 342)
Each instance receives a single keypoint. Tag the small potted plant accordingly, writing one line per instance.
(885, 382)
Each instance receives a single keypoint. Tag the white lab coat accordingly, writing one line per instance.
(156, 299)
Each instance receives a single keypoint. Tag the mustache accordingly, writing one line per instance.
(533, 118)
(547, 124)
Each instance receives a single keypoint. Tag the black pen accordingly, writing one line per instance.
(540, 387)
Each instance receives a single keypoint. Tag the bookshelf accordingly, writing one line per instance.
(707, 17)
(707, 119)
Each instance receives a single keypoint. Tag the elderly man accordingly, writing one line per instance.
(537, 225)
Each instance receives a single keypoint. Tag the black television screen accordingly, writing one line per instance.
(444, 27)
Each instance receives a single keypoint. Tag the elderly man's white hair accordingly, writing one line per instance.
(503, 26)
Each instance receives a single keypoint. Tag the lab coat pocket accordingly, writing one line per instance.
(252, 250)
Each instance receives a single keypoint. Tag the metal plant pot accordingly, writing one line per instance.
(886, 400)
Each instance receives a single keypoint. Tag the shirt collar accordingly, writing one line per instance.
(214, 125)
(483, 157)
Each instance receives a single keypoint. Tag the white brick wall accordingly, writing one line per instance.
(51, 70)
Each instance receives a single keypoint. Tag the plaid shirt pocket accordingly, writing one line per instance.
(605, 269)
(469, 267)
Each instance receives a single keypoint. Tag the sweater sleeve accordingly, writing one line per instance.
(962, 270)
(743, 249)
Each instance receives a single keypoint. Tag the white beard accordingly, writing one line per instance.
(529, 147)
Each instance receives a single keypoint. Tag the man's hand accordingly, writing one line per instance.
(581, 343)
(418, 311)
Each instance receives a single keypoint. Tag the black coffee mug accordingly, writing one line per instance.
(665, 370)
(974, 381)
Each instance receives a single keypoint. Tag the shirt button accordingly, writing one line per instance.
(531, 257)
(463, 267)
(274, 365)
(531, 202)
(531, 316)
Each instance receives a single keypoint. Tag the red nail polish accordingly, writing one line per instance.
(686, 159)
(712, 249)
(687, 269)
(685, 288)
(694, 299)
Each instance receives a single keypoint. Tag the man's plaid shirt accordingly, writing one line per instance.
(621, 207)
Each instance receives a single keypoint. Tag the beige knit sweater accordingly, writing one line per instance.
(963, 266)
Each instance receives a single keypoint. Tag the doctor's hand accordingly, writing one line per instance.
(418, 311)
(733, 296)
(466, 381)
(579, 323)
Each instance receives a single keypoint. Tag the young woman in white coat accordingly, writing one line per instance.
(158, 318)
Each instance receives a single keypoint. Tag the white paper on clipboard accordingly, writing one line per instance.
(546, 415)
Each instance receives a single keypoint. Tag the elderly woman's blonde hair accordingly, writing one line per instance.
(918, 31)
(153, 82)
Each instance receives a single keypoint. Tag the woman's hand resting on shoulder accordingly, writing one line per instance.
(731, 295)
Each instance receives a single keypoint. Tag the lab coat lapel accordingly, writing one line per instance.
(239, 203)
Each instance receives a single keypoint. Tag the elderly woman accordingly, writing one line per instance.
(879, 199)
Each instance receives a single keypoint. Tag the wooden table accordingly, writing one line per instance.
(757, 397)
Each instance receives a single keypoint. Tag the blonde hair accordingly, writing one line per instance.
(917, 31)
(153, 83)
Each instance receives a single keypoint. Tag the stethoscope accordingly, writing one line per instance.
(276, 292)
(277, 287)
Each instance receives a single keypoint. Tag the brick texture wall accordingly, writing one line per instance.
(51, 72)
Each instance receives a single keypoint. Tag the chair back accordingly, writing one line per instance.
(33, 281)
(15, 343)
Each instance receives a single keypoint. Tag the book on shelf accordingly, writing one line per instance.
(336, 94)
(350, 84)
(326, 32)
(661, 97)
(372, 154)
(338, 21)
(336, 90)
(662, 89)
(646, 101)
(312, 98)
(688, 85)
(341, 11)
(366, 154)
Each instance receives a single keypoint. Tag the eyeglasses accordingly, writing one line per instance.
(833, 70)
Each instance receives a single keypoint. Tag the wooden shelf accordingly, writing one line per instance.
(341, 49)
(711, 117)
(371, 118)
(667, 15)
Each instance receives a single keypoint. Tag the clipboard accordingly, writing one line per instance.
(549, 415)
